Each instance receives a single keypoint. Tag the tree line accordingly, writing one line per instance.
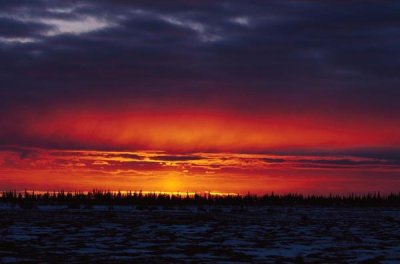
(138, 198)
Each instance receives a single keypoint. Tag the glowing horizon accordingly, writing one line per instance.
(42, 169)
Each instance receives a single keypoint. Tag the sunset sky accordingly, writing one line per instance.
(225, 96)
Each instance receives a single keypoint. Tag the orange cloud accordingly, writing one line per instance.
(182, 131)
(222, 172)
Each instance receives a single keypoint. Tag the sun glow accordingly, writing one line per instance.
(171, 183)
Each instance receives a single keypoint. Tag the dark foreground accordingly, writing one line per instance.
(217, 234)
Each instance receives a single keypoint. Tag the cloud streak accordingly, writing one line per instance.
(195, 171)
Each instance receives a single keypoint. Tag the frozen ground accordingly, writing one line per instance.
(205, 235)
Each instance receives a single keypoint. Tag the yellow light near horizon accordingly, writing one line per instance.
(171, 183)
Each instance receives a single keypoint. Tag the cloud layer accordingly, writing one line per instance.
(243, 55)
(223, 172)
(306, 88)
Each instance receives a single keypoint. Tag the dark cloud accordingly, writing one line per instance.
(177, 158)
(97, 154)
(348, 162)
(187, 48)
(126, 156)
(273, 160)
(391, 154)
(10, 28)
(377, 157)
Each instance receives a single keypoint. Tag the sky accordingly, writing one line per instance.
(225, 96)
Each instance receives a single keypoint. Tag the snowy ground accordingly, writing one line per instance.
(205, 235)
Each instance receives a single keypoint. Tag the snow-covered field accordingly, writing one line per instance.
(205, 235)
